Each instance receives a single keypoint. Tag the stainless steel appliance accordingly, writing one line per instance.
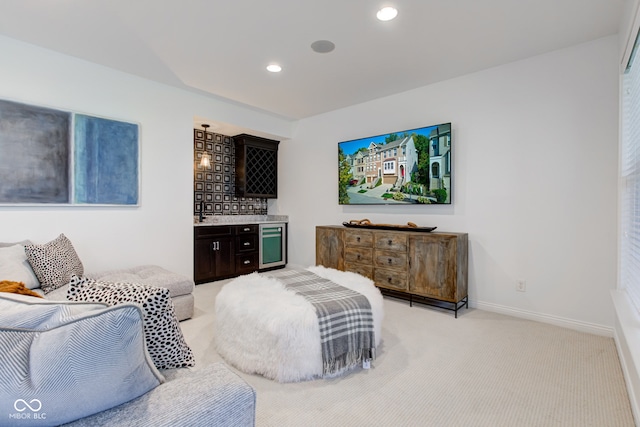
(273, 245)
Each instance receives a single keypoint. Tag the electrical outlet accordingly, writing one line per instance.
(521, 286)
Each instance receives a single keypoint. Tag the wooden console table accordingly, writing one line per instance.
(430, 268)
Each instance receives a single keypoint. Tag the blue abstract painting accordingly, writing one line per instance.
(105, 161)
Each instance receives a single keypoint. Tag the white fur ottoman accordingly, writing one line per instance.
(263, 328)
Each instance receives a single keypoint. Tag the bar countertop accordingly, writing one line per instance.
(239, 219)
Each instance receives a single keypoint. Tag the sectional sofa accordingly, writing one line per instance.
(102, 351)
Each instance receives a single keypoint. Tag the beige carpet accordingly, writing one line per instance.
(482, 369)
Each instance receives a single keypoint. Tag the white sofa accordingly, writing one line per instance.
(15, 266)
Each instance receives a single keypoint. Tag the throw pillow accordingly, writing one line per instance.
(64, 361)
(165, 342)
(17, 288)
(54, 262)
(15, 266)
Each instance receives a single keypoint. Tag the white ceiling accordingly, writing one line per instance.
(221, 47)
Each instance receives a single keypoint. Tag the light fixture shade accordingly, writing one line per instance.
(205, 162)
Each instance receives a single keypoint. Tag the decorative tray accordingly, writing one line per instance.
(365, 223)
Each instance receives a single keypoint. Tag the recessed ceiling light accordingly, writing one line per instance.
(323, 46)
(387, 13)
(274, 68)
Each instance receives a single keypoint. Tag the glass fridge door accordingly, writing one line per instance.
(271, 245)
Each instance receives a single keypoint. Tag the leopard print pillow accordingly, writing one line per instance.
(54, 262)
(165, 342)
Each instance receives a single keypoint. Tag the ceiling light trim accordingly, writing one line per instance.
(387, 13)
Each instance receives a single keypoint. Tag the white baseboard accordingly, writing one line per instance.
(544, 318)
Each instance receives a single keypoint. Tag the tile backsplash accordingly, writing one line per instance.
(214, 184)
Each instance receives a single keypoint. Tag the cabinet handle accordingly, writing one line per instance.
(246, 229)
(358, 239)
(247, 243)
(389, 279)
(215, 246)
(247, 262)
(390, 241)
(389, 260)
(358, 257)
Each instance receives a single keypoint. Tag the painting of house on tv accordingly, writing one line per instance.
(408, 167)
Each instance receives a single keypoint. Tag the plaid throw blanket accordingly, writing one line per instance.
(344, 316)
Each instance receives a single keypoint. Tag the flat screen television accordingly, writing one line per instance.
(408, 167)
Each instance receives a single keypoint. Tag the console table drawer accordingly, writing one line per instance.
(391, 242)
(390, 278)
(390, 259)
(356, 255)
(358, 238)
(362, 269)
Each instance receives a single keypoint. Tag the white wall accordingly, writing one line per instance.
(160, 230)
(535, 164)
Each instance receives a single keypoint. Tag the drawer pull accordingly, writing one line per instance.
(389, 279)
(247, 243)
(358, 257)
(247, 262)
(358, 239)
(390, 242)
(389, 260)
(246, 229)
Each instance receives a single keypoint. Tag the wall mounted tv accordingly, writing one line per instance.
(408, 167)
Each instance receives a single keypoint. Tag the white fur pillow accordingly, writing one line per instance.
(15, 267)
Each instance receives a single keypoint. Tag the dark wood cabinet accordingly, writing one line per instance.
(256, 166)
(224, 251)
(213, 253)
(247, 260)
(424, 267)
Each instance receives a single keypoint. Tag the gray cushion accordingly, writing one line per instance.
(149, 275)
(54, 262)
(180, 287)
(164, 338)
(66, 361)
(211, 396)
